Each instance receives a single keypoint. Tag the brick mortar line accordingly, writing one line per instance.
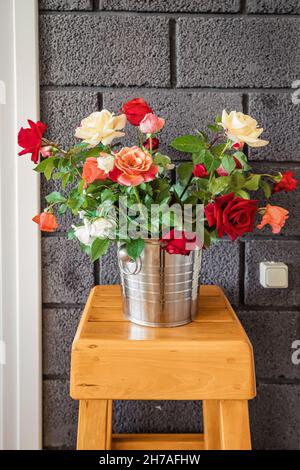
(242, 269)
(104, 89)
(173, 52)
(175, 15)
(243, 7)
(265, 308)
(62, 306)
(95, 5)
(277, 381)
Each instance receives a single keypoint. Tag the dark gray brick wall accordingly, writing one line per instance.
(280, 117)
(273, 6)
(274, 417)
(84, 49)
(238, 52)
(189, 59)
(68, 275)
(176, 6)
(58, 5)
(271, 334)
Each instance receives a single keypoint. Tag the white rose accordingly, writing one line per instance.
(101, 228)
(102, 127)
(106, 162)
(240, 127)
(83, 233)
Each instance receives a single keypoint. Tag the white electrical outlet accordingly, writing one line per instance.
(273, 275)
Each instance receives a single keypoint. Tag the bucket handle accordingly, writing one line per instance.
(124, 265)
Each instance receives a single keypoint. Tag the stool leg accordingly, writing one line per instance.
(211, 421)
(226, 425)
(234, 425)
(94, 425)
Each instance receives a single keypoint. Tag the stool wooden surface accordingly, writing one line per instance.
(210, 359)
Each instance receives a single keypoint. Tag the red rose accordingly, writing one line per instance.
(46, 221)
(232, 215)
(31, 139)
(177, 242)
(155, 144)
(136, 110)
(200, 171)
(287, 183)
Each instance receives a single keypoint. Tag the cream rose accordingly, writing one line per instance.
(102, 127)
(240, 127)
(106, 162)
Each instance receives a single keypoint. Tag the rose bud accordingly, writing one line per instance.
(155, 144)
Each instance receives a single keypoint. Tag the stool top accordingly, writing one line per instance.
(214, 344)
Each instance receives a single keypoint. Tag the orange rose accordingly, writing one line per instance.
(133, 166)
(91, 171)
(275, 216)
(46, 221)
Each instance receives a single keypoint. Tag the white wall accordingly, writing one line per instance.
(20, 400)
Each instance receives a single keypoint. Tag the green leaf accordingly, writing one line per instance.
(99, 248)
(266, 188)
(237, 180)
(161, 160)
(228, 163)
(188, 144)
(198, 157)
(219, 184)
(63, 209)
(57, 175)
(49, 169)
(65, 180)
(41, 168)
(242, 193)
(218, 119)
(135, 248)
(185, 171)
(242, 158)
(218, 149)
(55, 197)
(86, 249)
(71, 234)
(202, 183)
(252, 182)
(208, 160)
(214, 128)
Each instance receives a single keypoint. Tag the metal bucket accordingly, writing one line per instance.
(160, 289)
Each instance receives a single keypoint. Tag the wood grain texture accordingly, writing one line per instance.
(211, 422)
(94, 424)
(234, 425)
(112, 358)
(209, 359)
(158, 442)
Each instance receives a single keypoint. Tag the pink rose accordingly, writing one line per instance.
(151, 124)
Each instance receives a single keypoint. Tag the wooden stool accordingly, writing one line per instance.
(210, 359)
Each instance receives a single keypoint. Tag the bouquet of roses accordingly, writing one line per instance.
(97, 176)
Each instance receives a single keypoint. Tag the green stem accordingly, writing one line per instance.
(187, 185)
